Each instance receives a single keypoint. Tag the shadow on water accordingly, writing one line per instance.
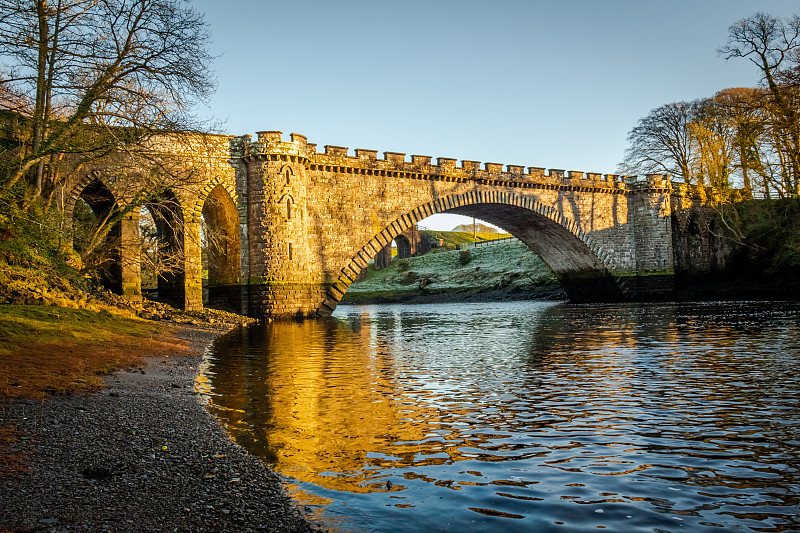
(525, 416)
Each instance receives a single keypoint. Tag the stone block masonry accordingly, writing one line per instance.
(315, 219)
(299, 224)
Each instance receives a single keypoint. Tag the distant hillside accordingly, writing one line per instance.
(451, 239)
(505, 271)
(478, 228)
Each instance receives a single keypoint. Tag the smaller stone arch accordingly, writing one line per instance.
(197, 210)
(176, 244)
(221, 250)
(287, 199)
(98, 236)
(80, 186)
(404, 247)
(288, 173)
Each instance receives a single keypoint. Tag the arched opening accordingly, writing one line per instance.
(580, 271)
(570, 254)
(162, 256)
(96, 235)
(400, 248)
(563, 251)
(403, 246)
(444, 259)
(221, 251)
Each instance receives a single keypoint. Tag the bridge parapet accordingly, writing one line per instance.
(366, 161)
(270, 142)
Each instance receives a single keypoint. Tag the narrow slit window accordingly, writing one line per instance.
(290, 251)
(288, 208)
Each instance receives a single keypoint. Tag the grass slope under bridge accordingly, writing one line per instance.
(504, 271)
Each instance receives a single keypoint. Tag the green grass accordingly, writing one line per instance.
(451, 239)
(508, 266)
(56, 350)
(22, 323)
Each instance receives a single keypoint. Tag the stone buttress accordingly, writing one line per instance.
(284, 278)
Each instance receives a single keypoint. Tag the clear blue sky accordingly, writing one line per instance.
(535, 83)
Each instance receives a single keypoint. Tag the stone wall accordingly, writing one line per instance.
(309, 221)
(700, 243)
(316, 218)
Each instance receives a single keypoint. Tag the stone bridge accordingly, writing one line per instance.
(298, 224)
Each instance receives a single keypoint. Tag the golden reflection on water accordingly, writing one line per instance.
(313, 418)
(319, 397)
(539, 406)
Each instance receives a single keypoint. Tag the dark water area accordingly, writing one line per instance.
(526, 416)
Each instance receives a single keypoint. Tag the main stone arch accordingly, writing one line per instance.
(580, 264)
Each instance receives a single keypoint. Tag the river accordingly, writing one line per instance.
(525, 416)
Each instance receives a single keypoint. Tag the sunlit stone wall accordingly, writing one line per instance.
(317, 218)
(309, 221)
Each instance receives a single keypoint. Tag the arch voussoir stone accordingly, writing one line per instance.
(197, 209)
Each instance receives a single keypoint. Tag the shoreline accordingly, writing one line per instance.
(688, 288)
(142, 454)
(466, 295)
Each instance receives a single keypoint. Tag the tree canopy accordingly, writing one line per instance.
(739, 137)
(95, 77)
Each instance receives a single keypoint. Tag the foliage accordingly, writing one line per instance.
(94, 88)
(32, 238)
(773, 46)
(770, 230)
(94, 78)
(464, 257)
(740, 137)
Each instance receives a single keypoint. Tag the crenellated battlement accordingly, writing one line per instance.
(366, 161)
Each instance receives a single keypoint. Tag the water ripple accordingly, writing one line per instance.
(526, 416)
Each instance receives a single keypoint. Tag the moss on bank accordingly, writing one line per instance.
(56, 350)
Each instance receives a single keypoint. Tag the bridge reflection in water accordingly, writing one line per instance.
(525, 416)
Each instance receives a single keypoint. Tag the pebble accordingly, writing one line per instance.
(149, 458)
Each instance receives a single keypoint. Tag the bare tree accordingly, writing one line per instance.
(743, 111)
(661, 142)
(713, 135)
(98, 76)
(773, 45)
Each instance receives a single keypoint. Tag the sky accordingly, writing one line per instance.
(555, 84)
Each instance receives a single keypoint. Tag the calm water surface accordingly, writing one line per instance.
(525, 416)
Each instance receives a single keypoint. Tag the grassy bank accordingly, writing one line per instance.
(501, 271)
(55, 350)
(450, 239)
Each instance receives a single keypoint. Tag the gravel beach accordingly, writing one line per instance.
(141, 455)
